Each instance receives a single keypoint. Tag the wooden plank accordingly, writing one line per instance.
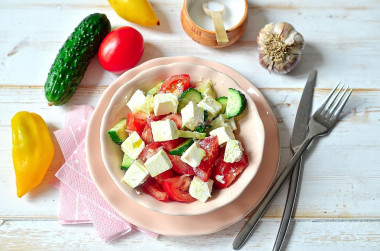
(331, 47)
(310, 235)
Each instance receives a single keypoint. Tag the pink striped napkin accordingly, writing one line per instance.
(80, 201)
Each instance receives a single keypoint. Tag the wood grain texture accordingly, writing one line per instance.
(339, 235)
(338, 204)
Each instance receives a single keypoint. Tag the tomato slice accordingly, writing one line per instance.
(176, 84)
(136, 122)
(147, 134)
(179, 166)
(165, 175)
(155, 118)
(178, 188)
(177, 118)
(149, 151)
(211, 147)
(153, 188)
(227, 171)
(171, 144)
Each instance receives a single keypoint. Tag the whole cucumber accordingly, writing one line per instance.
(74, 57)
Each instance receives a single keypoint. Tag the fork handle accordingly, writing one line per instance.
(289, 205)
(247, 229)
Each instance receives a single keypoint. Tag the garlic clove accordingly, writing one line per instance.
(280, 47)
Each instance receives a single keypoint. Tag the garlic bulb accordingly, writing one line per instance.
(280, 47)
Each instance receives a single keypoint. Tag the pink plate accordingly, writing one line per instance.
(184, 225)
(248, 121)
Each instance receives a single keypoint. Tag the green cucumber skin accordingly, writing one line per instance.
(243, 103)
(127, 162)
(190, 94)
(179, 150)
(114, 135)
(223, 101)
(194, 135)
(74, 57)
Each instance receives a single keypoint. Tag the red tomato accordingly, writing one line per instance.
(178, 188)
(179, 166)
(147, 134)
(176, 84)
(155, 118)
(177, 118)
(171, 144)
(121, 49)
(154, 189)
(149, 151)
(136, 122)
(229, 171)
(165, 175)
(211, 147)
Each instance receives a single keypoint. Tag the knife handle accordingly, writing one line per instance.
(289, 205)
(247, 229)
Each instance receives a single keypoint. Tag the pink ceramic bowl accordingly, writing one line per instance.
(250, 132)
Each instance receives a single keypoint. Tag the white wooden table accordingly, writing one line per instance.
(338, 207)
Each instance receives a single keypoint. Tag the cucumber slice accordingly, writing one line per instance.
(223, 101)
(236, 103)
(155, 89)
(118, 133)
(127, 162)
(191, 135)
(179, 150)
(189, 95)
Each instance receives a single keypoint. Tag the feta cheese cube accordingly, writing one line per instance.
(136, 174)
(137, 100)
(165, 103)
(158, 163)
(200, 190)
(223, 133)
(232, 123)
(133, 145)
(218, 121)
(211, 105)
(193, 155)
(234, 151)
(192, 116)
(205, 87)
(164, 130)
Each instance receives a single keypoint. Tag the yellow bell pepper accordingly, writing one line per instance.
(32, 152)
(136, 11)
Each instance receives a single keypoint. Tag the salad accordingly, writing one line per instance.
(178, 140)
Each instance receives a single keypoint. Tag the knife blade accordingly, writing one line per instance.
(298, 135)
(303, 112)
(248, 227)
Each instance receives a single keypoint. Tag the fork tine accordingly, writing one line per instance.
(328, 98)
(332, 110)
(340, 108)
(334, 98)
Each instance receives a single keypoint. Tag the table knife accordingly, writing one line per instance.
(247, 229)
(298, 135)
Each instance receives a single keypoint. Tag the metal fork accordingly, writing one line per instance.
(322, 121)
